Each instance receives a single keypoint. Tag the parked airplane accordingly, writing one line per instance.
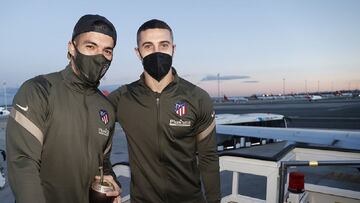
(234, 99)
(313, 97)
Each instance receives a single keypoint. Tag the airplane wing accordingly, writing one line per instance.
(333, 138)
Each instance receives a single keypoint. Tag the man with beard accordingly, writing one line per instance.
(60, 128)
(170, 127)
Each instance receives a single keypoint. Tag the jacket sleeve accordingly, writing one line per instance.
(107, 162)
(114, 98)
(24, 137)
(207, 150)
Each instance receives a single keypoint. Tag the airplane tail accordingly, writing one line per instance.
(105, 92)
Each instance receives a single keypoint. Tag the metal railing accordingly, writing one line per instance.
(286, 164)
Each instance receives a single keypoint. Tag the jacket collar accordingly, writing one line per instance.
(176, 80)
(75, 83)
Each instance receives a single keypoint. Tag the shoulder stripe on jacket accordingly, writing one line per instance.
(27, 124)
(206, 132)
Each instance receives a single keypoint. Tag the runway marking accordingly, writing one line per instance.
(324, 118)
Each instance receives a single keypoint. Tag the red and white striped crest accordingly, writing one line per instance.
(180, 108)
(104, 116)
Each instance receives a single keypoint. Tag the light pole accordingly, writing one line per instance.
(349, 86)
(318, 86)
(218, 79)
(283, 86)
(306, 91)
(5, 99)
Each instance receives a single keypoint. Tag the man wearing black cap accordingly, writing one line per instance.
(60, 128)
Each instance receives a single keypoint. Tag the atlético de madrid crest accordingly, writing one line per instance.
(181, 108)
(104, 116)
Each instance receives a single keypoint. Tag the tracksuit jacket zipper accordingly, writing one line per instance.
(87, 138)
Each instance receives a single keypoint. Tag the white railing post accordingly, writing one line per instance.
(235, 184)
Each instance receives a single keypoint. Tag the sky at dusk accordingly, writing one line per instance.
(255, 46)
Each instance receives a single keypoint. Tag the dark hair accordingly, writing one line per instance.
(153, 24)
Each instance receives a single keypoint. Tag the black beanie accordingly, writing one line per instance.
(94, 23)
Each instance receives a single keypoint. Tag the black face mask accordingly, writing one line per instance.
(91, 67)
(157, 65)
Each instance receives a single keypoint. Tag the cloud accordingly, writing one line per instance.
(251, 81)
(224, 77)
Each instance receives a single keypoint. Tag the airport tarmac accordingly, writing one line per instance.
(331, 114)
(325, 113)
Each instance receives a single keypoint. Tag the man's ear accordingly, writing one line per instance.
(137, 52)
(174, 49)
(71, 49)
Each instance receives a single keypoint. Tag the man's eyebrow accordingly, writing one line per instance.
(93, 43)
(111, 48)
(146, 43)
(165, 41)
(90, 42)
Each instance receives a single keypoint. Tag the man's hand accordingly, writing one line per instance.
(117, 191)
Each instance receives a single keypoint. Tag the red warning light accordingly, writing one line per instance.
(296, 182)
